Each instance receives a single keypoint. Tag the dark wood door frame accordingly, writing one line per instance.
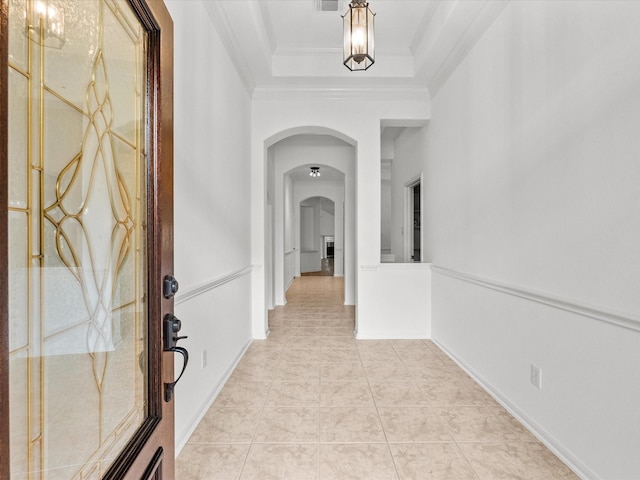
(150, 453)
(4, 241)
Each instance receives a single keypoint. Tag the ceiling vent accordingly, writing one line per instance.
(328, 5)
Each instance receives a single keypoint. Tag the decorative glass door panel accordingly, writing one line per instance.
(77, 235)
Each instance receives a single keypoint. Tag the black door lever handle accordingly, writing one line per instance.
(171, 327)
(168, 387)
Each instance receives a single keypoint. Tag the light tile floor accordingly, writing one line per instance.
(313, 403)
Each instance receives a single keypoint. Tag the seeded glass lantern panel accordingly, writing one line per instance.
(359, 45)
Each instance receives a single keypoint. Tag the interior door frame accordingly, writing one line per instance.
(408, 217)
(4, 241)
(150, 452)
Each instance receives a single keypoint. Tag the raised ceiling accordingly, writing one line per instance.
(290, 45)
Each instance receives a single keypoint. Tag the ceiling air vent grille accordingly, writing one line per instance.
(328, 5)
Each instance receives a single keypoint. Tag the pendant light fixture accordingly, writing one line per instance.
(359, 52)
(315, 172)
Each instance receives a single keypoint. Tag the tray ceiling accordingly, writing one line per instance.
(289, 44)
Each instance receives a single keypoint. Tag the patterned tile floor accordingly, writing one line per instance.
(311, 402)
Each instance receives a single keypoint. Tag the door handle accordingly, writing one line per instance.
(168, 387)
(171, 327)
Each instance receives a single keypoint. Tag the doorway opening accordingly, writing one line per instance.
(317, 236)
(413, 223)
(315, 304)
(290, 185)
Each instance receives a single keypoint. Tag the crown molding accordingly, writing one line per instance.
(268, 26)
(223, 26)
(458, 26)
(295, 51)
(373, 92)
(423, 28)
(485, 17)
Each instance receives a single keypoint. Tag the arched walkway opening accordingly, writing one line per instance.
(324, 205)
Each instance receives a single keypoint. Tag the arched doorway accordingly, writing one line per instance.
(288, 182)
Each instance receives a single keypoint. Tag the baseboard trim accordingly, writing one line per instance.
(211, 284)
(602, 314)
(197, 418)
(289, 285)
(537, 430)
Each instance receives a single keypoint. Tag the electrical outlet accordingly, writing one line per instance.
(203, 358)
(536, 376)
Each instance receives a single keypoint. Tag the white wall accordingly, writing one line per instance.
(308, 231)
(327, 223)
(310, 260)
(212, 214)
(285, 225)
(289, 206)
(400, 303)
(533, 209)
(386, 164)
(269, 271)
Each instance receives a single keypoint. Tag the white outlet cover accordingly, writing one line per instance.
(204, 359)
(536, 376)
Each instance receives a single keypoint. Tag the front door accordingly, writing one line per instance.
(87, 239)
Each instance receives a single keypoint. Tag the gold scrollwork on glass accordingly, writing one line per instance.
(78, 245)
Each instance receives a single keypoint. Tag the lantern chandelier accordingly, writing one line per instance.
(315, 172)
(358, 36)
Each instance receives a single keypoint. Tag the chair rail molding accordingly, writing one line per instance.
(603, 314)
(196, 290)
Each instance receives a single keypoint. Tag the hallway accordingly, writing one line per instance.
(311, 402)
(326, 269)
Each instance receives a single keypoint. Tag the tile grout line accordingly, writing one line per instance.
(458, 407)
(454, 441)
(255, 430)
(319, 413)
(375, 404)
(464, 455)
